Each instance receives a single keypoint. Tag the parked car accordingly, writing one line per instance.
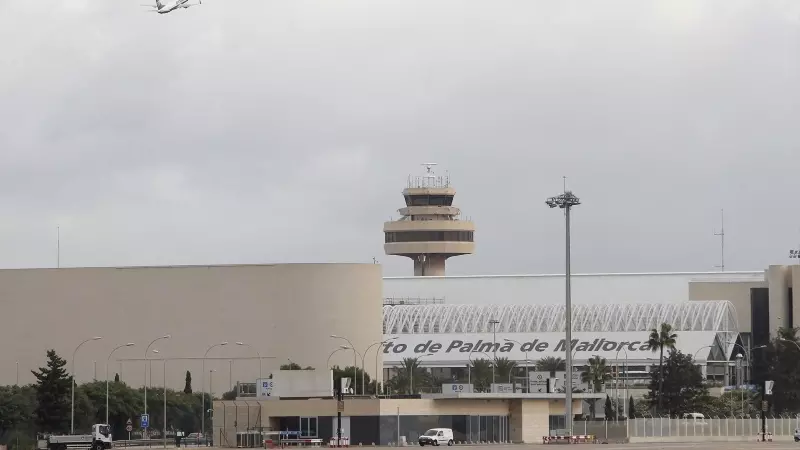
(196, 439)
(436, 436)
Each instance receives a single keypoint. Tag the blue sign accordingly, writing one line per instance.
(145, 420)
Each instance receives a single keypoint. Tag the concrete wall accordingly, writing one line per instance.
(528, 418)
(549, 289)
(284, 311)
(736, 292)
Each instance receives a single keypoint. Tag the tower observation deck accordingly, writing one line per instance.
(430, 229)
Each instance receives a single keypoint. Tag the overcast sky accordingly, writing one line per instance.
(250, 131)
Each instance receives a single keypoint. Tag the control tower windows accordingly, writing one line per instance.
(429, 236)
(429, 200)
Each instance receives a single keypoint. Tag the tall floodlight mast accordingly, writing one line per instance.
(566, 201)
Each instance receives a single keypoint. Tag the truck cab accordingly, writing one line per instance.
(100, 439)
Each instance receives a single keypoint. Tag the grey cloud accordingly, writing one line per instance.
(254, 131)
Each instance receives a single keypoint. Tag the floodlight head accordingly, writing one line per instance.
(223, 343)
(239, 343)
(563, 201)
(129, 344)
(155, 351)
(756, 348)
(344, 347)
(97, 338)
(166, 336)
(739, 356)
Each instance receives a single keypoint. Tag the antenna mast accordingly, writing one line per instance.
(721, 235)
(58, 247)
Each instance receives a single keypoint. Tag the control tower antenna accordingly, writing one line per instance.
(721, 235)
(430, 228)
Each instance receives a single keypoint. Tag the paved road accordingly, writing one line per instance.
(634, 446)
(648, 446)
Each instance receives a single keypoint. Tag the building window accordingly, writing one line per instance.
(308, 427)
(429, 236)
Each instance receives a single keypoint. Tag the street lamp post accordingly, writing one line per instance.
(527, 373)
(566, 201)
(203, 381)
(257, 353)
(72, 406)
(364, 356)
(341, 347)
(164, 432)
(376, 363)
(739, 371)
(494, 323)
(624, 382)
(129, 344)
(146, 353)
(355, 362)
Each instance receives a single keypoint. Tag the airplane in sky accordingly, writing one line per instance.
(172, 5)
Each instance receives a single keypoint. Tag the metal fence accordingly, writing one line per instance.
(604, 430)
(710, 427)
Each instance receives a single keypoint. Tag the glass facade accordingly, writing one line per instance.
(465, 428)
(429, 236)
(382, 430)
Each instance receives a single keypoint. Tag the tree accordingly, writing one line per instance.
(551, 364)
(53, 395)
(631, 407)
(116, 378)
(295, 366)
(597, 373)
(481, 374)
(678, 386)
(504, 367)
(355, 374)
(658, 341)
(409, 373)
(609, 409)
(187, 388)
(782, 358)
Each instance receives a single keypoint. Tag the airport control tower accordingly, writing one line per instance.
(430, 230)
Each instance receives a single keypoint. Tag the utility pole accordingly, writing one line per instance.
(339, 407)
(721, 235)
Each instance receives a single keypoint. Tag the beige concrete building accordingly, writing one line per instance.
(762, 306)
(430, 228)
(473, 417)
(283, 312)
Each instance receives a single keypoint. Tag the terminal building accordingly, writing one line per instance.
(245, 321)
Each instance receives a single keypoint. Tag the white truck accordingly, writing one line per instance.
(100, 439)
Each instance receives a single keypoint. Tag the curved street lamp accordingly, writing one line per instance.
(146, 357)
(355, 361)
(72, 406)
(129, 344)
(203, 380)
(341, 347)
(363, 357)
(257, 353)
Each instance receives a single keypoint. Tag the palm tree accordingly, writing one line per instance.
(660, 339)
(410, 376)
(504, 367)
(551, 364)
(597, 373)
(481, 374)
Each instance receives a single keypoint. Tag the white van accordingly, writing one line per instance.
(436, 436)
(695, 419)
